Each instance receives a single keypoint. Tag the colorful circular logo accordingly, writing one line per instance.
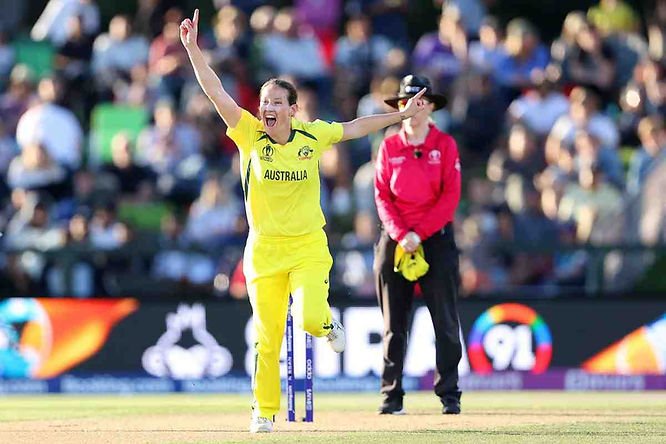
(509, 345)
(25, 337)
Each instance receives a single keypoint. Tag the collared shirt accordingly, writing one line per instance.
(281, 182)
(417, 188)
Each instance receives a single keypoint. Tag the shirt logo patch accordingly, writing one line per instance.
(434, 156)
(397, 160)
(267, 153)
(305, 153)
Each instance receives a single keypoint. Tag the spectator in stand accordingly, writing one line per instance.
(51, 125)
(90, 189)
(262, 24)
(337, 191)
(612, 16)
(8, 151)
(388, 17)
(73, 57)
(133, 180)
(232, 46)
(651, 153)
(308, 105)
(31, 228)
(591, 63)
(478, 113)
(52, 24)
(106, 232)
(7, 58)
(591, 199)
(216, 148)
(473, 13)
(533, 226)
(485, 52)
(34, 170)
(521, 160)
(652, 226)
(16, 99)
(584, 114)
(560, 49)
(552, 189)
(656, 31)
(83, 273)
(441, 55)
(172, 149)
(650, 84)
(373, 103)
(632, 110)
(117, 52)
(149, 17)
(136, 91)
(540, 107)
(360, 54)
(323, 17)
(167, 59)
(589, 151)
(523, 53)
(288, 51)
(175, 262)
(569, 266)
(72, 63)
(213, 220)
(363, 192)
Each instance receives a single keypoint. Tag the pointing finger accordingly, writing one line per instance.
(420, 93)
(195, 18)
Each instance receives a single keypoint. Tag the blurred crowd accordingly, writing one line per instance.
(558, 139)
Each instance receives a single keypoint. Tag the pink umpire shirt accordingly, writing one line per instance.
(417, 188)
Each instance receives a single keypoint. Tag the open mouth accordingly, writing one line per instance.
(270, 120)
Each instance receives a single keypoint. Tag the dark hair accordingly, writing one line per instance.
(292, 95)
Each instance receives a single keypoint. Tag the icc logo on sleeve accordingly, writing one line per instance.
(267, 153)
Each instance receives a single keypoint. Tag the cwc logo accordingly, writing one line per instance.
(305, 153)
(267, 153)
(509, 346)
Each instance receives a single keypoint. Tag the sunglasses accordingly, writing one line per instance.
(403, 102)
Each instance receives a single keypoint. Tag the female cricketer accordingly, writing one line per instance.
(286, 250)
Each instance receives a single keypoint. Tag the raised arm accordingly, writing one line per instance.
(369, 124)
(225, 105)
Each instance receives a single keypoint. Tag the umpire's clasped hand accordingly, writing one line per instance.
(410, 242)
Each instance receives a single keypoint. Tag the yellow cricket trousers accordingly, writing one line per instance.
(275, 267)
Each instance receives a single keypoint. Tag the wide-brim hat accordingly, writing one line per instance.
(411, 265)
(412, 84)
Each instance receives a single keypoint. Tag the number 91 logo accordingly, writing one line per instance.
(507, 346)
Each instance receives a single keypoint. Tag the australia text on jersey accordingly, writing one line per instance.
(286, 176)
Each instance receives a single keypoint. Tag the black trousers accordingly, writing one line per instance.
(395, 295)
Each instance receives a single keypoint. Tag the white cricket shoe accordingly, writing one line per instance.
(336, 337)
(260, 424)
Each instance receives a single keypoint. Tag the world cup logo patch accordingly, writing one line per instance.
(267, 153)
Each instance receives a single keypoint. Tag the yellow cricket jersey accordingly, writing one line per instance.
(281, 182)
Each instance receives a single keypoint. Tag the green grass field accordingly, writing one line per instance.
(488, 417)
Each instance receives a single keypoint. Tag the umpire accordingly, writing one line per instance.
(417, 189)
